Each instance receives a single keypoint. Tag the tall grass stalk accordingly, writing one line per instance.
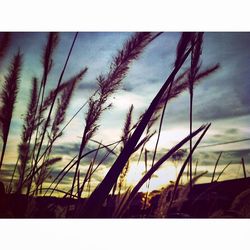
(51, 107)
(182, 46)
(243, 167)
(216, 164)
(48, 101)
(47, 62)
(186, 162)
(195, 66)
(223, 170)
(60, 113)
(8, 99)
(101, 192)
(28, 130)
(109, 84)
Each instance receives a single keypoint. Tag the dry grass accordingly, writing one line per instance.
(8, 99)
(46, 115)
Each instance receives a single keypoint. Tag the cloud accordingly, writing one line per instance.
(73, 150)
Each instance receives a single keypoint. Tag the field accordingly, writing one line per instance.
(162, 134)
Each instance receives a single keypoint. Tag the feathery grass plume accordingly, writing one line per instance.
(120, 65)
(49, 99)
(110, 83)
(101, 192)
(63, 103)
(184, 84)
(93, 95)
(125, 137)
(195, 66)
(181, 84)
(4, 44)
(63, 88)
(8, 99)
(28, 130)
(127, 126)
(36, 158)
(62, 106)
(47, 60)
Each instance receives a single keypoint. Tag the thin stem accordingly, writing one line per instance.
(244, 168)
(216, 167)
(12, 176)
(223, 170)
(190, 131)
(53, 102)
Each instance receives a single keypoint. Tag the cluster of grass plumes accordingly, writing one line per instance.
(108, 84)
(36, 123)
(51, 44)
(46, 113)
(63, 103)
(101, 192)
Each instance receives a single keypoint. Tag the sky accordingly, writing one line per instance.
(222, 98)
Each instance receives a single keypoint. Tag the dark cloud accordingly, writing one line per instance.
(73, 149)
(87, 86)
(210, 158)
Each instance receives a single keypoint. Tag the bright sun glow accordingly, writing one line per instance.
(160, 179)
(168, 138)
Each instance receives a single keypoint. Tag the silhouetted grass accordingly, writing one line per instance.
(217, 161)
(46, 115)
(108, 84)
(244, 168)
(46, 70)
(28, 129)
(195, 66)
(8, 99)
